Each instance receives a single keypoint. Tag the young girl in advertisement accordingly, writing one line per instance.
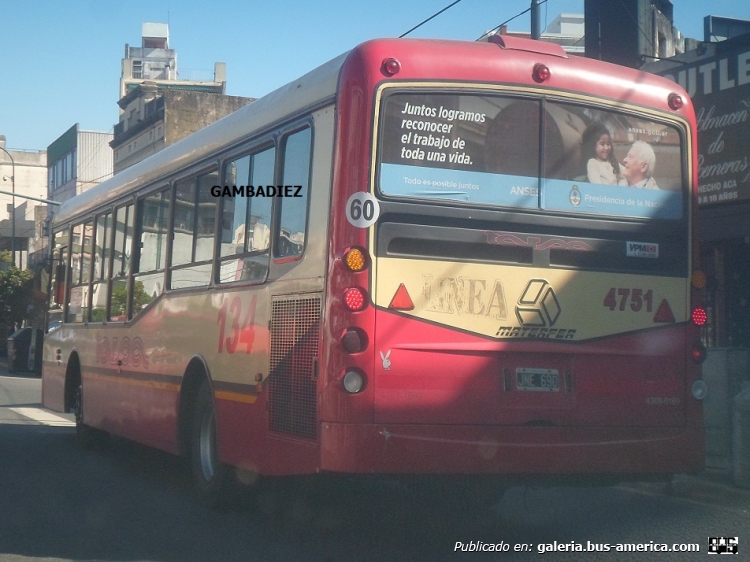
(601, 165)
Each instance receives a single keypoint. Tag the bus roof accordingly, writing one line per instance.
(430, 60)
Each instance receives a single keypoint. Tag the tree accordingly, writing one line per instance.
(15, 295)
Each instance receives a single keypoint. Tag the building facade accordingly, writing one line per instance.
(77, 161)
(156, 115)
(159, 104)
(632, 32)
(566, 30)
(717, 77)
(25, 173)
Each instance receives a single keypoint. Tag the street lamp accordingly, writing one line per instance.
(13, 200)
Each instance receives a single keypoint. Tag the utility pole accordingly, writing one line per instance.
(13, 200)
(536, 20)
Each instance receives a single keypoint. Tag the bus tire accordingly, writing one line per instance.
(213, 480)
(87, 437)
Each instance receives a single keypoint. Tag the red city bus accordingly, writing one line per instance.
(424, 257)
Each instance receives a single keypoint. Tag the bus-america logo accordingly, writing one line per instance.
(537, 311)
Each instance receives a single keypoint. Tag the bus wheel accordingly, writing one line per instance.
(86, 436)
(213, 480)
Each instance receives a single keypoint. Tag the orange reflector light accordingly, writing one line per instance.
(698, 279)
(355, 259)
(664, 313)
(401, 299)
(699, 316)
(354, 299)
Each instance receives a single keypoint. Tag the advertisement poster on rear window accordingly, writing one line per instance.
(487, 150)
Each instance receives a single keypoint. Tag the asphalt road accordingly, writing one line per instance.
(127, 503)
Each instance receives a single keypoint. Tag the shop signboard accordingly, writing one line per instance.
(720, 89)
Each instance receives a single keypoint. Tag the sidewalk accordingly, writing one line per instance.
(709, 486)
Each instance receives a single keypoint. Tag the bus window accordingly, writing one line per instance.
(290, 236)
(604, 162)
(102, 252)
(148, 269)
(246, 221)
(486, 150)
(118, 295)
(78, 291)
(75, 255)
(193, 233)
(86, 250)
(60, 265)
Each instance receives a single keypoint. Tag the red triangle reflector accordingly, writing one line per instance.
(664, 313)
(401, 299)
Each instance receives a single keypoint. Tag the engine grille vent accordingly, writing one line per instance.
(292, 407)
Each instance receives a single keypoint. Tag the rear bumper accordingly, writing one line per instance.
(528, 451)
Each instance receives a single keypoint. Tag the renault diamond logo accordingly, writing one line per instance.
(538, 305)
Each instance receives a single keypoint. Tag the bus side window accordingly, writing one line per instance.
(79, 254)
(118, 291)
(59, 283)
(246, 220)
(289, 239)
(193, 231)
(102, 253)
(148, 267)
(60, 265)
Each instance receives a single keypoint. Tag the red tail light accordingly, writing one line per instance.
(699, 316)
(355, 299)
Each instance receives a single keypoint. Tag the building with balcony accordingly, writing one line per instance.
(159, 104)
(155, 116)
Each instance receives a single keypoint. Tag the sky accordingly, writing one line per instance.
(60, 61)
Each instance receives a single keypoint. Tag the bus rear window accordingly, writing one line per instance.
(522, 153)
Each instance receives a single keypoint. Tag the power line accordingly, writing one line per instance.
(428, 19)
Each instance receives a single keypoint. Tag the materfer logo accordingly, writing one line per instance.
(538, 305)
(537, 311)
